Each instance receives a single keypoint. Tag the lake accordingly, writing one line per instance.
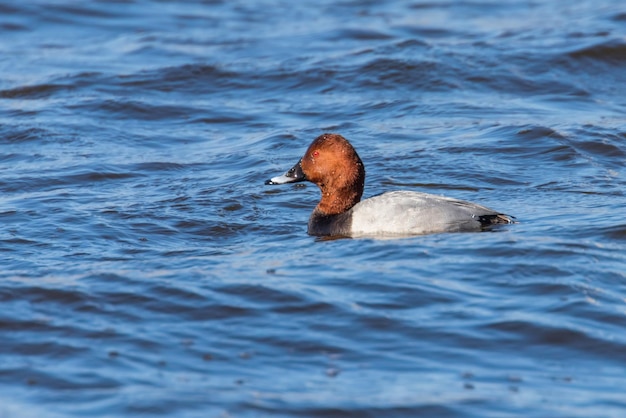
(148, 271)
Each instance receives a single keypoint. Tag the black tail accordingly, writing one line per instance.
(498, 218)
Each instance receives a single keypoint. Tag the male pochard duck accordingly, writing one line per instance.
(333, 164)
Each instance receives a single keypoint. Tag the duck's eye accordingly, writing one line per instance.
(316, 153)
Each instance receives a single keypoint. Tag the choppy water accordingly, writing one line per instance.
(147, 271)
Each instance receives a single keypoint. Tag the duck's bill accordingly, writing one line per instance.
(295, 174)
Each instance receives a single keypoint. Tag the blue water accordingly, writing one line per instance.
(147, 270)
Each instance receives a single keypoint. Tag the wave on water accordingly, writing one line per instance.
(611, 52)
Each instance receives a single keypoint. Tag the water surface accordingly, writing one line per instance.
(146, 269)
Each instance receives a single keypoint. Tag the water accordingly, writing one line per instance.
(147, 271)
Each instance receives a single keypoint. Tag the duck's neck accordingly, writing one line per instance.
(339, 200)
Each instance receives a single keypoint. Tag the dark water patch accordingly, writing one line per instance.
(604, 143)
(361, 34)
(17, 135)
(50, 181)
(14, 158)
(611, 52)
(393, 73)
(161, 291)
(225, 118)
(301, 344)
(619, 17)
(160, 166)
(558, 291)
(508, 81)
(601, 149)
(310, 308)
(152, 229)
(20, 241)
(190, 306)
(210, 312)
(324, 79)
(82, 81)
(51, 349)
(86, 10)
(563, 338)
(43, 380)
(280, 301)
(430, 32)
(40, 91)
(95, 177)
(199, 78)
(615, 232)
(593, 314)
(12, 27)
(7, 213)
(200, 228)
(68, 298)
(21, 325)
(282, 408)
(136, 110)
(410, 45)
(537, 132)
(88, 16)
(7, 9)
(522, 144)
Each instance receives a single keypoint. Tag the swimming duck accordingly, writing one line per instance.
(333, 164)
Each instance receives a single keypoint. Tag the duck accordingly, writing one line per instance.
(332, 163)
